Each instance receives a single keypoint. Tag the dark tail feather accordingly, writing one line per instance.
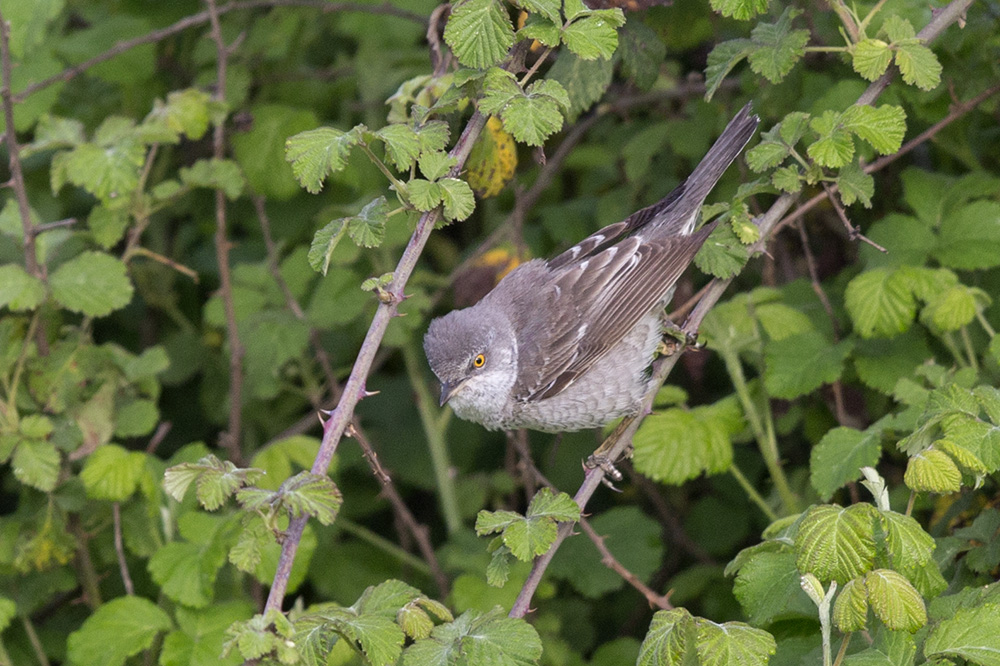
(677, 213)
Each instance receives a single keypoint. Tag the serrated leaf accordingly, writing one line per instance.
(962, 456)
(722, 255)
(315, 154)
(498, 570)
(541, 30)
(532, 117)
(909, 545)
(723, 58)
(367, 228)
(850, 610)
(835, 543)
(741, 10)
(401, 144)
(839, 457)
(479, 33)
(112, 473)
(787, 179)
(106, 171)
(895, 601)
(594, 36)
(769, 153)
(313, 495)
(802, 363)
(547, 8)
(108, 224)
(323, 244)
(971, 633)
(133, 622)
(932, 471)
(880, 303)
(918, 64)
(777, 47)
(93, 283)
(559, 507)
(671, 634)
(480, 638)
(585, 81)
(835, 147)
(436, 164)
(870, 58)
(855, 185)
(488, 522)
(969, 238)
(733, 643)
(529, 538)
(424, 195)
(433, 136)
(950, 310)
(36, 464)
(677, 445)
(883, 127)
(457, 197)
(18, 290)
(743, 225)
(767, 587)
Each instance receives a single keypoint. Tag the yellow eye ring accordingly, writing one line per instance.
(479, 361)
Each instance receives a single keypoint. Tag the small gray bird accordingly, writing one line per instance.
(566, 344)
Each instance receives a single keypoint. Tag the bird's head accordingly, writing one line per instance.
(474, 354)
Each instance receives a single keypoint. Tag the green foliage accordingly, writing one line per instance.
(148, 320)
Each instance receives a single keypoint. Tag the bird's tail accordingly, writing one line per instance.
(679, 211)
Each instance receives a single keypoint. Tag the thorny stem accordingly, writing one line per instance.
(437, 444)
(334, 427)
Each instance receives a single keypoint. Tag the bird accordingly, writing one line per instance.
(567, 344)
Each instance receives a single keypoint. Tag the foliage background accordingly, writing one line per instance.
(160, 303)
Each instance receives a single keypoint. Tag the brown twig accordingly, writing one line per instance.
(10, 138)
(853, 233)
(230, 440)
(201, 18)
(161, 433)
(116, 513)
(420, 532)
(608, 559)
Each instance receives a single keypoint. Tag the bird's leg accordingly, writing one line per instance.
(676, 338)
(600, 457)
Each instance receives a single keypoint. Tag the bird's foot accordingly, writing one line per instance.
(676, 338)
(601, 459)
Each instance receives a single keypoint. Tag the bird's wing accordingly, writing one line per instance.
(596, 302)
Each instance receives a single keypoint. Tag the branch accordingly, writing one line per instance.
(230, 439)
(116, 513)
(206, 17)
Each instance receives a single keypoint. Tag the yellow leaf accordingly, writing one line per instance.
(492, 161)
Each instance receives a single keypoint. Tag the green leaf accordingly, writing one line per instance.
(777, 47)
(18, 290)
(133, 622)
(918, 64)
(488, 522)
(870, 58)
(547, 8)
(201, 633)
(880, 303)
(950, 310)
(479, 638)
(457, 197)
(909, 545)
(559, 507)
(93, 283)
(722, 255)
(217, 480)
(741, 10)
(367, 228)
(185, 112)
(324, 243)
(723, 58)
(401, 144)
(595, 36)
(835, 147)
(186, 570)
(436, 164)
(213, 173)
(770, 152)
(433, 136)
(311, 494)
(535, 115)
(733, 643)
(424, 195)
(971, 633)
(882, 127)
(834, 543)
(106, 171)
(788, 179)
(895, 601)
(528, 539)
(671, 634)
(108, 224)
(801, 363)
(850, 610)
(962, 456)
(36, 464)
(932, 471)
(315, 154)
(542, 30)
(585, 81)
(642, 51)
(767, 587)
(970, 237)
(677, 445)
(498, 570)
(479, 33)
(112, 473)
(839, 457)
(855, 185)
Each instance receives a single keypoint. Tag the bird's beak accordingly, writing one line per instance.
(449, 389)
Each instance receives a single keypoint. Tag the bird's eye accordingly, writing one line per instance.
(479, 361)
